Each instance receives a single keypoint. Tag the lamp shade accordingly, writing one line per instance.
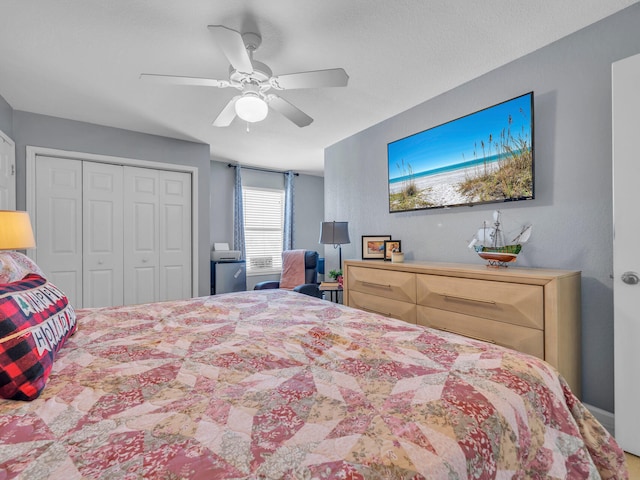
(251, 108)
(334, 233)
(15, 231)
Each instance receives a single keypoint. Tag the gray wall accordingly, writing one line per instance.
(221, 203)
(308, 210)
(51, 132)
(572, 211)
(6, 117)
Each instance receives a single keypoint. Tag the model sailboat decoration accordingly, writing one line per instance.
(489, 242)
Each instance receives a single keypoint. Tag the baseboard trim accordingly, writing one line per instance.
(604, 417)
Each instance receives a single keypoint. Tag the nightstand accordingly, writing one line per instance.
(334, 291)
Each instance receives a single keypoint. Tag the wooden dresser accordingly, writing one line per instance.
(536, 311)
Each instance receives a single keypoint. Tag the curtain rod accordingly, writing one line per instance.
(260, 169)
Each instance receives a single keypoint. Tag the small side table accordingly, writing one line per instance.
(334, 291)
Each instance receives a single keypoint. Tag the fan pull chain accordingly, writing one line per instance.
(248, 127)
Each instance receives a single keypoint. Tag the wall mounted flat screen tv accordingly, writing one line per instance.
(483, 157)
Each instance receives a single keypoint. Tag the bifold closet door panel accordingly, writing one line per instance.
(112, 235)
(58, 224)
(141, 235)
(175, 235)
(102, 238)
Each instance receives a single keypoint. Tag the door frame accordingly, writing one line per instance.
(31, 157)
(12, 146)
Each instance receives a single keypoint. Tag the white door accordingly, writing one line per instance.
(175, 235)
(626, 255)
(102, 232)
(58, 224)
(115, 235)
(7, 173)
(141, 235)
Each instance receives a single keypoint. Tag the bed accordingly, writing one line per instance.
(273, 384)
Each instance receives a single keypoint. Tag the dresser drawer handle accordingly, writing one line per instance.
(376, 285)
(469, 299)
(375, 311)
(474, 337)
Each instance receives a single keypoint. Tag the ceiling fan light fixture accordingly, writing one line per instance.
(251, 108)
(254, 79)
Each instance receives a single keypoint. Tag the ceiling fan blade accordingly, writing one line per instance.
(227, 114)
(288, 110)
(233, 48)
(177, 80)
(335, 77)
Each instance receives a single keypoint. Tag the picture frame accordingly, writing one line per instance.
(391, 246)
(373, 246)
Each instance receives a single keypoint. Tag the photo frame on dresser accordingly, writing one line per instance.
(391, 246)
(373, 246)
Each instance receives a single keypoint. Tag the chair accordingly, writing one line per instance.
(310, 287)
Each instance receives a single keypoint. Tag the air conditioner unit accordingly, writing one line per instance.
(260, 262)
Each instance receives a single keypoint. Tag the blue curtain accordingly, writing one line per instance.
(238, 215)
(287, 241)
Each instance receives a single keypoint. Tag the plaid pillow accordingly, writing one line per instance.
(35, 321)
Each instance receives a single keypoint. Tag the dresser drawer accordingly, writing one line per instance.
(384, 306)
(528, 309)
(383, 283)
(516, 337)
(507, 302)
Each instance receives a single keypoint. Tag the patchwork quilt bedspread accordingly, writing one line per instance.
(277, 385)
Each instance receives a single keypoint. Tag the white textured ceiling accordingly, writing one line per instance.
(81, 59)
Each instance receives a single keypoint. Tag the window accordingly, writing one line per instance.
(263, 229)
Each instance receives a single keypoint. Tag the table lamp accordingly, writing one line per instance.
(336, 234)
(15, 231)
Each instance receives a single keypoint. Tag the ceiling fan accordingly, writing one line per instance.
(255, 80)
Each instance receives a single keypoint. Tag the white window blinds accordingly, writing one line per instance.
(263, 224)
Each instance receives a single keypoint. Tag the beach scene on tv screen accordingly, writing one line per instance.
(484, 157)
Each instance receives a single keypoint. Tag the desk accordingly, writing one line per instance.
(334, 291)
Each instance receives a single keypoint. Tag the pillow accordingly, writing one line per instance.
(15, 266)
(35, 321)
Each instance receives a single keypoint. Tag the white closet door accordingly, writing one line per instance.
(175, 235)
(141, 235)
(114, 234)
(58, 224)
(102, 235)
(7, 174)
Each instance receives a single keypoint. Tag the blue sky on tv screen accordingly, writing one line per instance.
(456, 141)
